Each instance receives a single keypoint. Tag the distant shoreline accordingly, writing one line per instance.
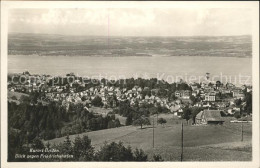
(209, 46)
(128, 56)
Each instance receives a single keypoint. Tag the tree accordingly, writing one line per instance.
(25, 99)
(183, 86)
(194, 112)
(172, 96)
(114, 152)
(97, 101)
(37, 144)
(186, 114)
(154, 111)
(67, 146)
(142, 121)
(238, 102)
(87, 149)
(157, 158)
(139, 155)
(13, 98)
(84, 98)
(129, 120)
(218, 84)
(82, 149)
(26, 73)
(34, 96)
(117, 123)
(210, 84)
(248, 100)
(161, 121)
(193, 99)
(118, 152)
(237, 115)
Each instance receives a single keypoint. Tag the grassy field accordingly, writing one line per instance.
(104, 112)
(201, 143)
(17, 96)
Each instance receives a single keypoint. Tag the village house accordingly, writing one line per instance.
(232, 110)
(194, 87)
(139, 89)
(147, 97)
(174, 108)
(124, 90)
(224, 91)
(139, 96)
(206, 105)
(184, 94)
(208, 89)
(178, 93)
(211, 96)
(238, 94)
(194, 93)
(202, 94)
(209, 117)
(230, 86)
(179, 112)
(221, 105)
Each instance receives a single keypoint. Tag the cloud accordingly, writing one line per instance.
(134, 22)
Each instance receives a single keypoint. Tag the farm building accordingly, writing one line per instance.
(209, 117)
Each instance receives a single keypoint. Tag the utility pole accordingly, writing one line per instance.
(242, 131)
(153, 131)
(157, 118)
(181, 141)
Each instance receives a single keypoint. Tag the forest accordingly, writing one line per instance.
(52, 120)
(80, 149)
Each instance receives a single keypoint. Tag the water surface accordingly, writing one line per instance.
(168, 68)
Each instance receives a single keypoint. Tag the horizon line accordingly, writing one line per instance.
(9, 33)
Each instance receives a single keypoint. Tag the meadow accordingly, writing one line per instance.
(201, 143)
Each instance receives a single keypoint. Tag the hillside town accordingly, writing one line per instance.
(208, 94)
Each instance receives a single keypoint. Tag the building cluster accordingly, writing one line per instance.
(207, 94)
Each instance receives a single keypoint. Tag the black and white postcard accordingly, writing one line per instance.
(129, 84)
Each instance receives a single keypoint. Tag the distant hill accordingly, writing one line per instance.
(54, 45)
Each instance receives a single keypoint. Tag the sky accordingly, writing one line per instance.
(132, 22)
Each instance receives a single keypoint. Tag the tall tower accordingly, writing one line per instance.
(207, 76)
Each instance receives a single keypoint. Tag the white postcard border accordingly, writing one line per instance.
(143, 4)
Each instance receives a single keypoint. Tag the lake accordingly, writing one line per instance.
(171, 69)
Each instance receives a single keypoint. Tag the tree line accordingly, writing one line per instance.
(52, 120)
(81, 150)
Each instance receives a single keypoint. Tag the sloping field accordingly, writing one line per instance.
(201, 143)
(104, 112)
(206, 153)
(99, 110)
(16, 94)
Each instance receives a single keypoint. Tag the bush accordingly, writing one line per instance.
(118, 152)
(115, 152)
(237, 115)
(129, 120)
(13, 98)
(139, 155)
(97, 102)
(161, 121)
(223, 114)
(157, 158)
(82, 149)
(142, 121)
